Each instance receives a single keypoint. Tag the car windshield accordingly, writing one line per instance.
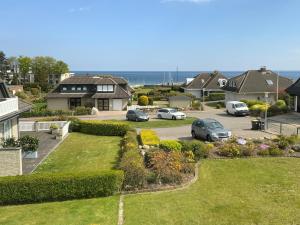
(214, 125)
(240, 105)
(173, 110)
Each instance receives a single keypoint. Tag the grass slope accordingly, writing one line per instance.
(240, 191)
(82, 152)
(102, 211)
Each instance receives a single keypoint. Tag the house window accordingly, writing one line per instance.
(73, 88)
(270, 82)
(6, 129)
(75, 102)
(64, 88)
(84, 88)
(105, 88)
(79, 88)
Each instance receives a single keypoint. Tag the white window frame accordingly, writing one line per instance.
(110, 88)
(7, 129)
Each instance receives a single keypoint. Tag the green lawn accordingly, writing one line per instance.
(228, 192)
(82, 152)
(161, 123)
(102, 211)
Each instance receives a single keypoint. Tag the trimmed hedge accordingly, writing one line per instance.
(58, 187)
(103, 128)
(170, 145)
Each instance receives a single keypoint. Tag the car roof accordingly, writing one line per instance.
(207, 120)
(234, 102)
(167, 108)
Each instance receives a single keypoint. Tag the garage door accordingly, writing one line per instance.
(117, 104)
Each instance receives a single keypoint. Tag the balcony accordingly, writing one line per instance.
(8, 105)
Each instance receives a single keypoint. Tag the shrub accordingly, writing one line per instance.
(54, 126)
(229, 150)
(134, 170)
(215, 97)
(35, 91)
(149, 137)
(81, 110)
(10, 142)
(199, 149)
(248, 150)
(74, 125)
(143, 100)
(103, 128)
(58, 187)
(129, 141)
(21, 95)
(170, 145)
(196, 105)
(275, 151)
(29, 143)
(281, 104)
(150, 99)
(263, 152)
(167, 166)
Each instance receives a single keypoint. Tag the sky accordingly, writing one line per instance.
(155, 35)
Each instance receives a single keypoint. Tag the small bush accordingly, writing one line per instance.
(81, 110)
(229, 150)
(215, 97)
(199, 149)
(35, 91)
(170, 145)
(103, 128)
(281, 104)
(274, 151)
(135, 173)
(151, 101)
(58, 187)
(29, 143)
(143, 100)
(167, 166)
(248, 150)
(149, 137)
(196, 105)
(263, 152)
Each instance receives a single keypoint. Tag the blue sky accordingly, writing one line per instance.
(155, 34)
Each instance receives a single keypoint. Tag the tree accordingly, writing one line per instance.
(42, 67)
(24, 66)
(60, 67)
(3, 64)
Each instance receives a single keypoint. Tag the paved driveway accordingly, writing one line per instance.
(240, 126)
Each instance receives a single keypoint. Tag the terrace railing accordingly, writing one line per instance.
(8, 105)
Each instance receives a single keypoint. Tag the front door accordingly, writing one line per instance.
(103, 104)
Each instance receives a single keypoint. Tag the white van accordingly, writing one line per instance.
(237, 108)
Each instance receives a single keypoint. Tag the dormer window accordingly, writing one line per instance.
(79, 88)
(64, 88)
(73, 88)
(84, 88)
(269, 82)
(105, 88)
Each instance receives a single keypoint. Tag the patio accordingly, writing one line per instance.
(47, 144)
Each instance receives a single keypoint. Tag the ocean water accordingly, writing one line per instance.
(164, 77)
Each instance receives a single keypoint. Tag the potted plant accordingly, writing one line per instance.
(54, 128)
(29, 146)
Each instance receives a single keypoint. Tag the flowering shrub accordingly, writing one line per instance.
(170, 145)
(230, 150)
(143, 100)
(149, 137)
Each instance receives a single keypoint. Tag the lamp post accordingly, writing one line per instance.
(266, 111)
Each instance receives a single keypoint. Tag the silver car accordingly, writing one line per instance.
(209, 129)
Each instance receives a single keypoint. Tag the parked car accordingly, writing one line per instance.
(209, 129)
(137, 115)
(171, 114)
(237, 108)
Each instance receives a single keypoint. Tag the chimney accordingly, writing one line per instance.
(263, 69)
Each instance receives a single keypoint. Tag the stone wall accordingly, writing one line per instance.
(10, 162)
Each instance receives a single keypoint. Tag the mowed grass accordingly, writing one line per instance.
(160, 123)
(262, 191)
(82, 152)
(102, 211)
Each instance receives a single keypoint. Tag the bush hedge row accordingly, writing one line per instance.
(58, 187)
(103, 128)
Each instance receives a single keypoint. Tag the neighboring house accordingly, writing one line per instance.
(103, 92)
(259, 84)
(10, 109)
(294, 90)
(56, 79)
(205, 83)
(180, 101)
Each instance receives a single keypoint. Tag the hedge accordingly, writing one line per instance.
(170, 145)
(103, 128)
(215, 97)
(57, 187)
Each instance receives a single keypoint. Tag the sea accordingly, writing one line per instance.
(139, 78)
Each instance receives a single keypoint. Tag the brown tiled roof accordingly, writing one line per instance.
(94, 80)
(256, 81)
(294, 89)
(206, 80)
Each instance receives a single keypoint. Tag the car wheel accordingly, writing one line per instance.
(173, 117)
(194, 134)
(159, 116)
(208, 138)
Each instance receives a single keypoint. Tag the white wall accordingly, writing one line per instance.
(196, 93)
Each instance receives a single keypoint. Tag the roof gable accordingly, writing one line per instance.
(206, 80)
